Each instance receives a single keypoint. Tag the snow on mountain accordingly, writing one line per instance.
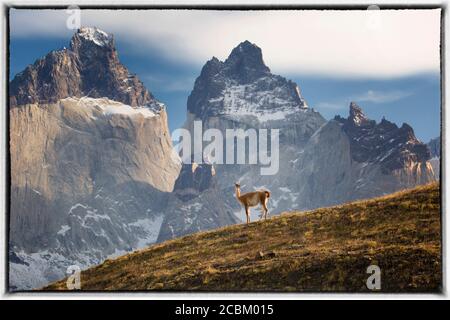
(262, 99)
(99, 37)
(244, 86)
(109, 107)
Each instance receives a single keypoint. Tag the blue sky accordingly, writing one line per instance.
(402, 86)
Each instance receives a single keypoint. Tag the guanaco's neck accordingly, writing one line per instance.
(238, 192)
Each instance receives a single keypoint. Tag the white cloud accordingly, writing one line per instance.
(386, 43)
(373, 96)
(381, 96)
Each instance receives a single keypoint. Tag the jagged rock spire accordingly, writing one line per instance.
(356, 114)
(383, 143)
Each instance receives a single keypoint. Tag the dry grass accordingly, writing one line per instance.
(327, 249)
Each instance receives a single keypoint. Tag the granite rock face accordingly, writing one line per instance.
(91, 161)
(196, 204)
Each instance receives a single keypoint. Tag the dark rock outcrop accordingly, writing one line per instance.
(383, 143)
(193, 180)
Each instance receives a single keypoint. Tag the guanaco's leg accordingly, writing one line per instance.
(265, 209)
(247, 213)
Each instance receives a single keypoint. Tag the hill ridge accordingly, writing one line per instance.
(327, 249)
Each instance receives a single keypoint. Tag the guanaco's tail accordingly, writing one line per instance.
(267, 193)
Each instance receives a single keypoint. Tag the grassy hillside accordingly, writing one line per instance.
(328, 249)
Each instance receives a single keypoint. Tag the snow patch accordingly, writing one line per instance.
(63, 230)
(99, 37)
(149, 227)
(110, 107)
(78, 205)
(251, 100)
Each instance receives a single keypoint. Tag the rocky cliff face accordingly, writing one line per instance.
(91, 161)
(196, 204)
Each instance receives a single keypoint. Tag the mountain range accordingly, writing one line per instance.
(94, 173)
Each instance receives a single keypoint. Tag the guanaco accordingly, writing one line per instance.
(252, 199)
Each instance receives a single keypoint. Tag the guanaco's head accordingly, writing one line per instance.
(237, 185)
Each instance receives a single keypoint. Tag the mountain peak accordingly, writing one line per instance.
(95, 35)
(247, 46)
(384, 143)
(249, 52)
(91, 67)
(356, 114)
(247, 62)
(92, 41)
(233, 89)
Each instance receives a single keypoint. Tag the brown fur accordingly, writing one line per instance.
(252, 199)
